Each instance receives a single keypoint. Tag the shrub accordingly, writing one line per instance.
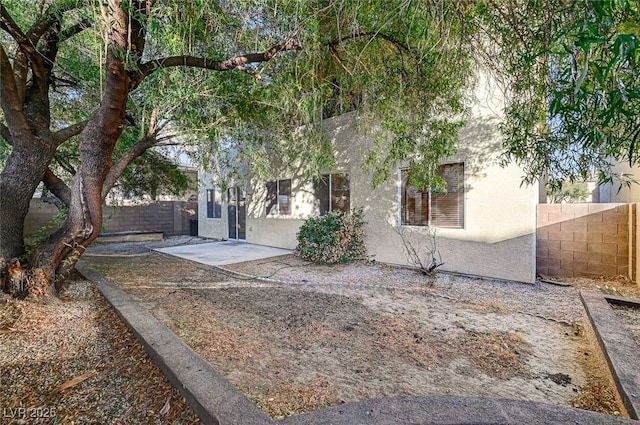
(337, 237)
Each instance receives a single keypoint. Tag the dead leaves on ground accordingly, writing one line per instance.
(74, 381)
(78, 358)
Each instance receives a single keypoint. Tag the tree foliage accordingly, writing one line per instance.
(568, 192)
(571, 68)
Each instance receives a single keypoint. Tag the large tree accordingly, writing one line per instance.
(101, 80)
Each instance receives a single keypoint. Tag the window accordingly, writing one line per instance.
(214, 203)
(432, 209)
(332, 193)
(279, 197)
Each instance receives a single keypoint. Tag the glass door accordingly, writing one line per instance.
(237, 213)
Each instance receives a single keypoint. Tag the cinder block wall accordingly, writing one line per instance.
(168, 217)
(588, 240)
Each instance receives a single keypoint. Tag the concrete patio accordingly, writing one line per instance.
(224, 252)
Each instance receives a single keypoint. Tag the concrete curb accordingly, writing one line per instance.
(452, 410)
(618, 346)
(130, 237)
(217, 402)
(214, 399)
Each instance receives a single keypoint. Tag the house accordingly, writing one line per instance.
(485, 224)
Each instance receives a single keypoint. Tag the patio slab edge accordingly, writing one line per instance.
(618, 346)
(214, 399)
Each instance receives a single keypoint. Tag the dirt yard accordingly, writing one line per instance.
(313, 336)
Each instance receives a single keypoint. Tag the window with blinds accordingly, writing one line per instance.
(424, 208)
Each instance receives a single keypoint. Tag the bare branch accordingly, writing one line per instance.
(62, 82)
(66, 133)
(56, 186)
(421, 248)
(234, 63)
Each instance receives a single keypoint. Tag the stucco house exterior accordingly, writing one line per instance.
(617, 192)
(485, 224)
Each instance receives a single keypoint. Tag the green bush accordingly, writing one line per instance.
(337, 237)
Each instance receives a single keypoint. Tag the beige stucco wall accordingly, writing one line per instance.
(621, 193)
(498, 239)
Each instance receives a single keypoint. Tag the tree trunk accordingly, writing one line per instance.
(23, 172)
(53, 260)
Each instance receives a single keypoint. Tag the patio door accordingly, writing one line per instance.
(237, 213)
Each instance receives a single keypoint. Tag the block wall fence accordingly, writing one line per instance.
(587, 240)
(168, 217)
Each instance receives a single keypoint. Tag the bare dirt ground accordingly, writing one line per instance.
(312, 336)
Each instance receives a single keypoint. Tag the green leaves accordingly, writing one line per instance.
(574, 85)
(152, 175)
(403, 66)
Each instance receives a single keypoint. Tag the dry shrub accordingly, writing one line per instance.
(498, 354)
(337, 237)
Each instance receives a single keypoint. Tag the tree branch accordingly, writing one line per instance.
(52, 15)
(56, 186)
(65, 164)
(402, 47)
(129, 156)
(10, 26)
(24, 42)
(27, 44)
(137, 30)
(74, 30)
(66, 133)
(234, 63)
(10, 99)
(20, 72)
